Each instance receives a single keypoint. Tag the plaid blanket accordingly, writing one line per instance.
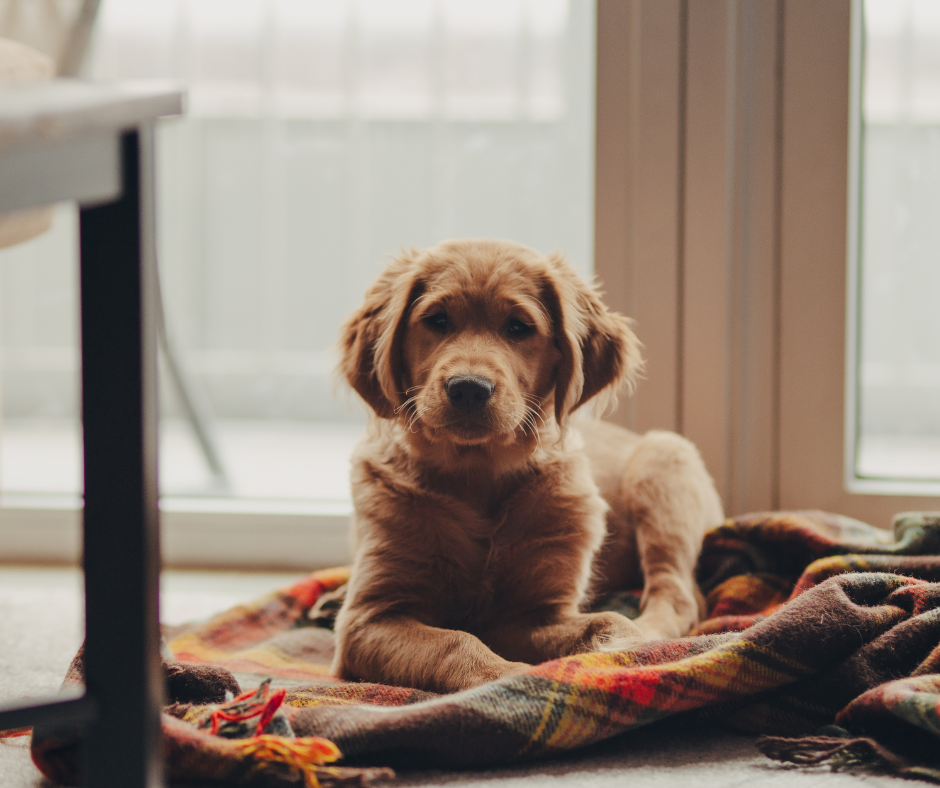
(819, 627)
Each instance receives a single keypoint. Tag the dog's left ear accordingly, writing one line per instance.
(599, 351)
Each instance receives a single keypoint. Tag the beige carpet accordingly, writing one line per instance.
(40, 630)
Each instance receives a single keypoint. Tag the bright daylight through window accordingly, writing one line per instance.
(321, 136)
(897, 240)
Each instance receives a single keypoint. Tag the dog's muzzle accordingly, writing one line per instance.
(469, 393)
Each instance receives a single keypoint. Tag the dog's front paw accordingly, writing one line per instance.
(512, 668)
(610, 645)
(610, 631)
(484, 674)
(500, 670)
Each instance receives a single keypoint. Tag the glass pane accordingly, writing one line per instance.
(40, 440)
(321, 137)
(899, 240)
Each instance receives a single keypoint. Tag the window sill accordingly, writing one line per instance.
(872, 486)
(196, 532)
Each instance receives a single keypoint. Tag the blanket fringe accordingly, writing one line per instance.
(265, 709)
(306, 754)
(843, 754)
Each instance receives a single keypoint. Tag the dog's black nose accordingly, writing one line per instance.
(468, 392)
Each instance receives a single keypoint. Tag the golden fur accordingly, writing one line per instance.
(483, 519)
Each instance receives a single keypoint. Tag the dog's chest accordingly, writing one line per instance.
(474, 581)
(485, 569)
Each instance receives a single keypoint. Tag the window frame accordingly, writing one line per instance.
(745, 311)
(855, 483)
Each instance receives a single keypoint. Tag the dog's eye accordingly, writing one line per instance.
(438, 321)
(517, 328)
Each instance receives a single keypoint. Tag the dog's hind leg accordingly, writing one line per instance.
(671, 501)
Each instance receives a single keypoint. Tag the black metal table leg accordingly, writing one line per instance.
(121, 547)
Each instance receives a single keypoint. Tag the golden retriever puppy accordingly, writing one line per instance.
(484, 518)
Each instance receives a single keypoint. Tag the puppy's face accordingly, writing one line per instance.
(478, 352)
(483, 344)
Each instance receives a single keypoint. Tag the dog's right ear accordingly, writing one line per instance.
(371, 338)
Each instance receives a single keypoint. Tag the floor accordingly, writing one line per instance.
(41, 625)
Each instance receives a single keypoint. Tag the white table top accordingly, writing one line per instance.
(45, 111)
